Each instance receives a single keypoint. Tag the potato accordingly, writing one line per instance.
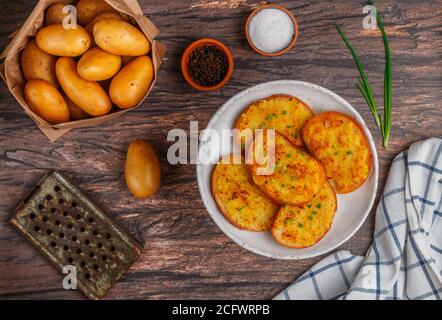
(45, 100)
(87, 10)
(37, 64)
(105, 15)
(120, 38)
(75, 111)
(142, 171)
(131, 84)
(88, 95)
(55, 14)
(98, 65)
(58, 41)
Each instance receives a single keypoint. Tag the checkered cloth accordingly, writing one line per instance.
(405, 258)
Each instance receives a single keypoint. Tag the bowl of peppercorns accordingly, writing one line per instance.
(207, 64)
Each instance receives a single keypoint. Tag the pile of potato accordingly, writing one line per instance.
(75, 74)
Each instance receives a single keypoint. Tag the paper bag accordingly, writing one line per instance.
(11, 72)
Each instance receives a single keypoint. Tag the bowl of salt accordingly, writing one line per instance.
(271, 30)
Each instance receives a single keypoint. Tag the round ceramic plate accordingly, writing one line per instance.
(353, 208)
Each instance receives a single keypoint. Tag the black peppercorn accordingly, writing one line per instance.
(208, 65)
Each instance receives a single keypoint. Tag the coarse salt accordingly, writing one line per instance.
(271, 30)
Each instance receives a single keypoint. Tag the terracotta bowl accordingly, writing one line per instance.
(278, 7)
(191, 48)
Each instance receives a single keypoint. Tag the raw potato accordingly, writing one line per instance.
(241, 202)
(87, 10)
(105, 15)
(301, 227)
(120, 38)
(340, 145)
(45, 100)
(88, 95)
(297, 176)
(58, 41)
(131, 84)
(142, 171)
(55, 14)
(98, 65)
(37, 64)
(75, 111)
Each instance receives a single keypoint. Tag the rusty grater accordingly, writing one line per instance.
(68, 229)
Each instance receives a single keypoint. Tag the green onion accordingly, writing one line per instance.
(365, 88)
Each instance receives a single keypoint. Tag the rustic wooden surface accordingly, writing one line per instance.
(186, 255)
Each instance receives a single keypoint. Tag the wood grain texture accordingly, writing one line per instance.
(186, 256)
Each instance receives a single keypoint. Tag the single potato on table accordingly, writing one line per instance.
(131, 84)
(142, 170)
(37, 64)
(58, 41)
(88, 95)
(46, 101)
(97, 65)
(340, 145)
(241, 202)
(120, 38)
(87, 10)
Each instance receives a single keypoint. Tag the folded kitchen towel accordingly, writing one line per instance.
(405, 258)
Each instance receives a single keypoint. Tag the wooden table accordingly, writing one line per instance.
(186, 255)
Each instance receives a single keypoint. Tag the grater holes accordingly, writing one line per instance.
(53, 244)
(49, 232)
(78, 217)
(96, 267)
(56, 188)
(65, 248)
(83, 264)
(57, 222)
(95, 233)
(70, 226)
(45, 219)
(82, 229)
(91, 220)
(61, 201)
(74, 204)
(99, 245)
(48, 197)
(70, 260)
(36, 228)
(53, 210)
(91, 254)
(87, 242)
(74, 238)
(87, 276)
(112, 248)
(40, 207)
(104, 257)
(65, 213)
(78, 251)
(61, 235)
(32, 216)
(108, 236)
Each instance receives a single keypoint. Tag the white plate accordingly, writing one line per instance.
(353, 208)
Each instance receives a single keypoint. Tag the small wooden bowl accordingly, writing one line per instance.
(278, 7)
(191, 48)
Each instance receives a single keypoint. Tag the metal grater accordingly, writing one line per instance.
(68, 229)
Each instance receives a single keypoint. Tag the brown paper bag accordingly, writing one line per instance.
(11, 73)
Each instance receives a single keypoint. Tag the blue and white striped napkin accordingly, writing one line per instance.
(405, 258)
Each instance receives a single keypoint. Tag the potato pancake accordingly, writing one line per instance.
(284, 113)
(297, 177)
(241, 202)
(301, 227)
(340, 145)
